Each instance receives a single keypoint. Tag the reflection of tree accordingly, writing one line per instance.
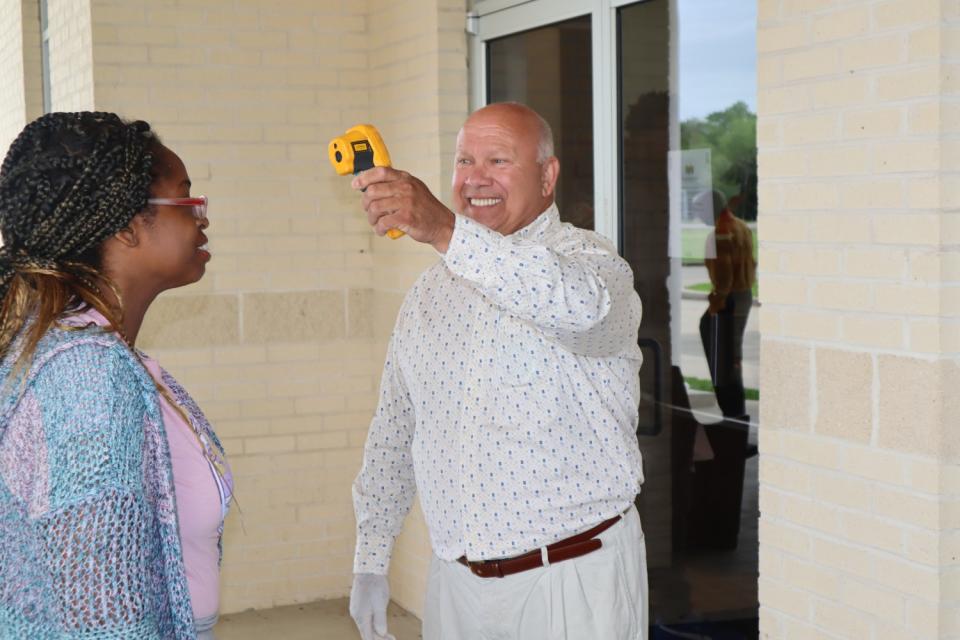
(731, 135)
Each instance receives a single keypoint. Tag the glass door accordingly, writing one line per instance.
(652, 104)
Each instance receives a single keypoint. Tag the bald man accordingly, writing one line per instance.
(509, 402)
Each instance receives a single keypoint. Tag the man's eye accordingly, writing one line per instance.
(462, 162)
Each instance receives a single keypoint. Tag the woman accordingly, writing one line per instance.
(113, 486)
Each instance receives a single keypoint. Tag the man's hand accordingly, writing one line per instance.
(368, 605)
(397, 200)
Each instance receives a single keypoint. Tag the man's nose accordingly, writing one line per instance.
(477, 176)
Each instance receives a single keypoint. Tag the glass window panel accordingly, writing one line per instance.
(687, 224)
(549, 69)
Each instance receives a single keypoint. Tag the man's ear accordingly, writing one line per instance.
(549, 172)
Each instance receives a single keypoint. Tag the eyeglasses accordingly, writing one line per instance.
(198, 204)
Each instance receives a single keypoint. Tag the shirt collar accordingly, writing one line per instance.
(541, 225)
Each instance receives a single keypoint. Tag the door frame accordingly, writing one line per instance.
(498, 18)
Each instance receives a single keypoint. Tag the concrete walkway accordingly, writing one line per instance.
(324, 620)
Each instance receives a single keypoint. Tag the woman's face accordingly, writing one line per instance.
(172, 247)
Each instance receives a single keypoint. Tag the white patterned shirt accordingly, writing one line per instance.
(509, 397)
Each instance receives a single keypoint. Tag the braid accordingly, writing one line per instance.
(68, 182)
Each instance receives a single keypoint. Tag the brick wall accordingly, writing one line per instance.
(12, 98)
(32, 60)
(283, 341)
(20, 68)
(418, 83)
(859, 324)
(71, 55)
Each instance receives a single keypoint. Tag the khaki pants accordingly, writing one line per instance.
(599, 596)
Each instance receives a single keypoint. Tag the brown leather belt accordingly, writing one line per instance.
(572, 547)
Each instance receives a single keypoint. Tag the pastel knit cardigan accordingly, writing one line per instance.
(89, 541)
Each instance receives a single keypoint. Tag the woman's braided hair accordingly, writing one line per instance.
(69, 182)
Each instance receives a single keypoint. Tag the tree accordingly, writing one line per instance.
(731, 135)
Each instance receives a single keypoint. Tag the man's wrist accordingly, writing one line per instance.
(442, 240)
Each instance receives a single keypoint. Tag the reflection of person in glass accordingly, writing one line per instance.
(732, 268)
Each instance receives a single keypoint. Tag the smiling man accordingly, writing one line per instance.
(509, 402)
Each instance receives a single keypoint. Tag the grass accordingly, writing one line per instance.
(699, 384)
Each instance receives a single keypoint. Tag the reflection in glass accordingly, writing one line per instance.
(549, 69)
(688, 209)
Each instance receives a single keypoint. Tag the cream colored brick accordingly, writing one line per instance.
(897, 14)
(845, 229)
(190, 321)
(269, 445)
(843, 491)
(925, 119)
(805, 130)
(843, 620)
(783, 536)
(779, 100)
(919, 300)
(872, 532)
(875, 464)
(873, 123)
(905, 85)
(924, 193)
(876, 193)
(925, 44)
(812, 450)
(909, 508)
(785, 371)
(812, 578)
(841, 24)
(839, 161)
(785, 598)
(818, 196)
(844, 385)
(907, 156)
(842, 295)
(910, 404)
(787, 290)
(815, 62)
(912, 229)
(884, 604)
(790, 36)
(887, 264)
(797, 323)
(840, 92)
(783, 228)
(783, 163)
(811, 262)
(868, 331)
(293, 317)
(878, 51)
(851, 559)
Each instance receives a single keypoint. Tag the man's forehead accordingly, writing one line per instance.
(494, 135)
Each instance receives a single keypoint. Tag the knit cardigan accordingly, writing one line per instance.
(89, 540)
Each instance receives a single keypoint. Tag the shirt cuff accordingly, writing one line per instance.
(372, 555)
(473, 251)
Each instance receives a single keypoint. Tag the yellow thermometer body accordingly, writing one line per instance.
(359, 149)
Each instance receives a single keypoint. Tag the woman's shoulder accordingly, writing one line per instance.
(67, 358)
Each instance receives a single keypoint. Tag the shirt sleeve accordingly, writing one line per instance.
(577, 291)
(384, 489)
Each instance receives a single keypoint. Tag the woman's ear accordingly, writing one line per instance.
(129, 236)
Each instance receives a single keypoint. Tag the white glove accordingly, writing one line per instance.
(368, 605)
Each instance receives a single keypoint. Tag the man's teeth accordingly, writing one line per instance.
(484, 202)
(205, 247)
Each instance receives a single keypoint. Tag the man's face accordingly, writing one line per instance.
(497, 180)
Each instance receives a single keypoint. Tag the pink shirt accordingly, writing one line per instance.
(198, 506)
(199, 510)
